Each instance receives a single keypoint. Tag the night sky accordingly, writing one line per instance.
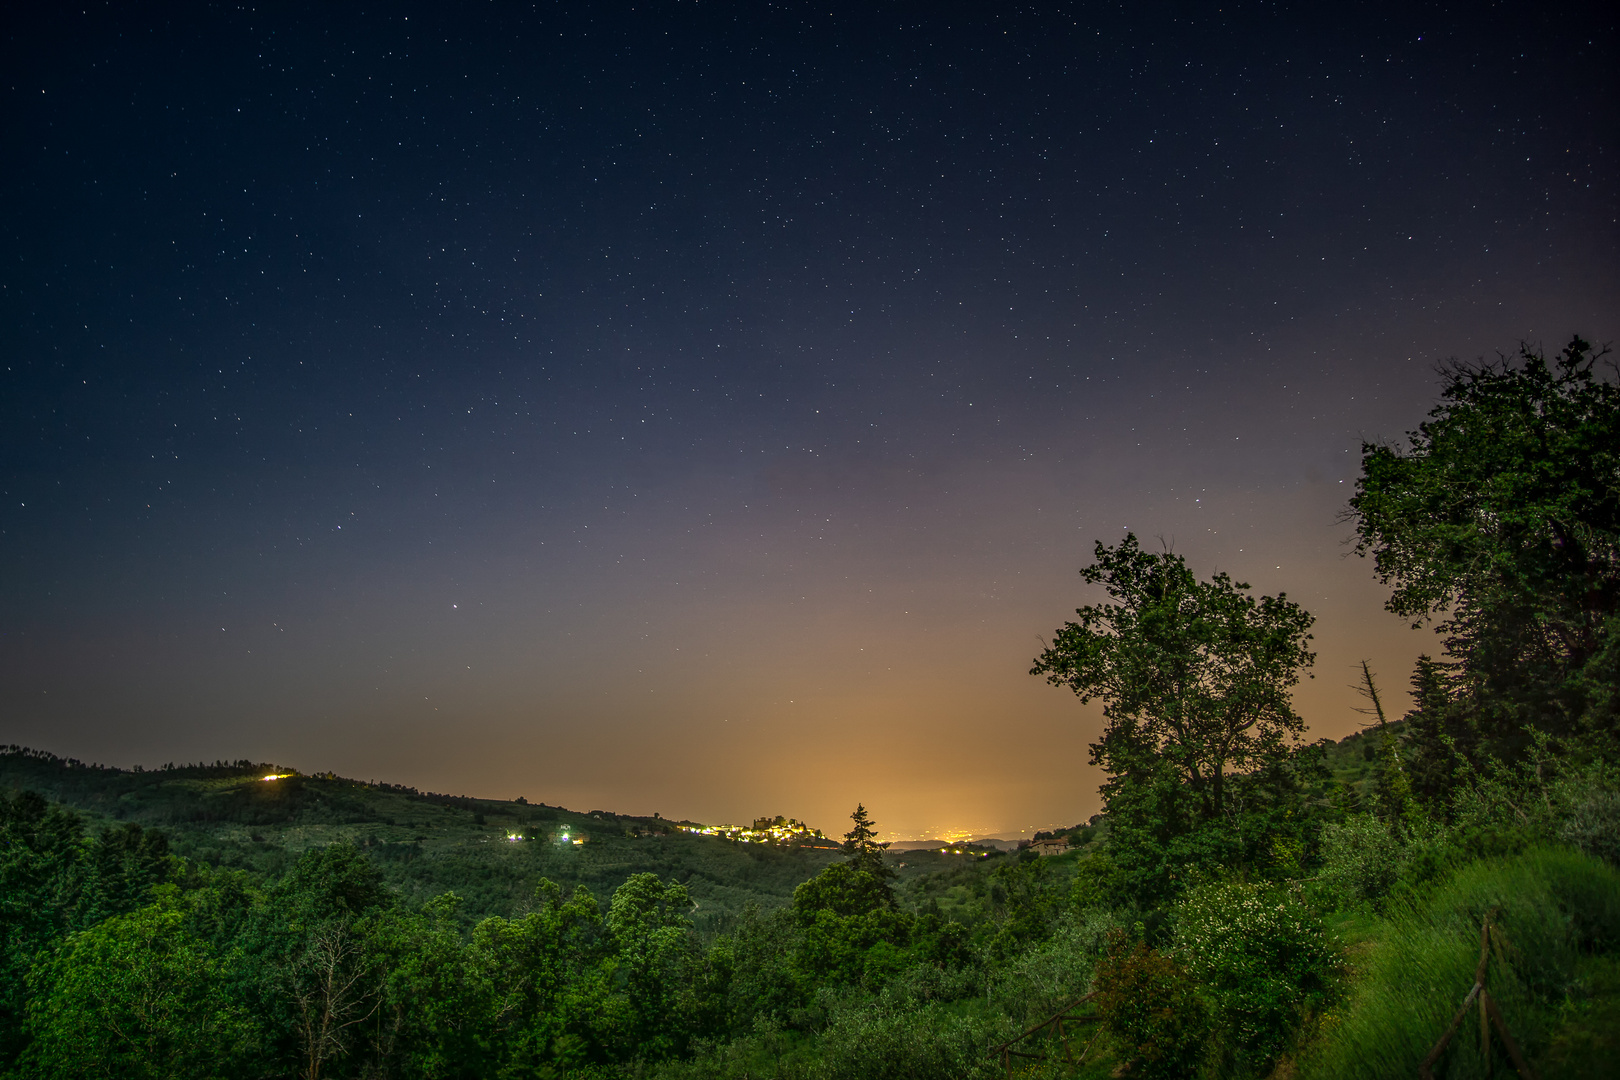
(705, 408)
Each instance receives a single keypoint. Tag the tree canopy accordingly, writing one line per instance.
(1194, 675)
(1502, 516)
(861, 844)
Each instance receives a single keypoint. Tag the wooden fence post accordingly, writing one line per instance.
(1489, 1016)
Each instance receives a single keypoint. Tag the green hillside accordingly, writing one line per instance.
(491, 852)
(227, 815)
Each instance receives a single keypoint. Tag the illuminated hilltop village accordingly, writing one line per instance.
(776, 830)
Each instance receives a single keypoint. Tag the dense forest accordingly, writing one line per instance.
(1249, 904)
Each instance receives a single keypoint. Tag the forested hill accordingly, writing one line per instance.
(226, 814)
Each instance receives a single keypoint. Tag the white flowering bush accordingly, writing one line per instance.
(1263, 960)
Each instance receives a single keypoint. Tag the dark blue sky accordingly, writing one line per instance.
(704, 407)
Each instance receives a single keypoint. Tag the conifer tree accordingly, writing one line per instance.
(1439, 736)
(861, 845)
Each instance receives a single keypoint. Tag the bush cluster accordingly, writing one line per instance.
(1263, 963)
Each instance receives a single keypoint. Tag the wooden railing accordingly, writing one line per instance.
(1056, 1023)
(1489, 1015)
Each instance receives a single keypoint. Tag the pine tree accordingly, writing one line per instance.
(1437, 733)
(861, 845)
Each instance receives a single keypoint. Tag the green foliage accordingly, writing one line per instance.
(40, 879)
(844, 889)
(1035, 983)
(1557, 910)
(1263, 962)
(136, 996)
(1151, 1006)
(655, 957)
(1195, 679)
(874, 1041)
(314, 969)
(1025, 904)
(1098, 882)
(1269, 816)
(861, 846)
(1547, 796)
(1361, 859)
(53, 880)
(438, 998)
(761, 977)
(1439, 738)
(545, 982)
(1504, 514)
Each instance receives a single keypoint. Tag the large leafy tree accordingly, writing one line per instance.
(656, 957)
(1201, 746)
(313, 958)
(53, 881)
(1194, 676)
(1501, 517)
(137, 996)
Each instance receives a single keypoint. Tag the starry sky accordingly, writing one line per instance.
(705, 408)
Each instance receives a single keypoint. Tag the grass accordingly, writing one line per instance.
(1556, 980)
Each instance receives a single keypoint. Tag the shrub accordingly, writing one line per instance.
(1360, 859)
(1366, 860)
(868, 1041)
(1151, 1006)
(1263, 960)
(1037, 983)
(924, 982)
(1590, 801)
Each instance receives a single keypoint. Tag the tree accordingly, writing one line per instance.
(1502, 516)
(333, 985)
(41, 881)
(1392, 790)
(124, 863)
(549, 1006)
(1436, 734)
(317, 972)
(136, 996)
(652, 936)
(1194, 677)
(437, 1004)
(861, 845)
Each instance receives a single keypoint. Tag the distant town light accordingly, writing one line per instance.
(278, 776)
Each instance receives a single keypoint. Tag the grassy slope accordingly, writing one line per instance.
(1556, 975)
